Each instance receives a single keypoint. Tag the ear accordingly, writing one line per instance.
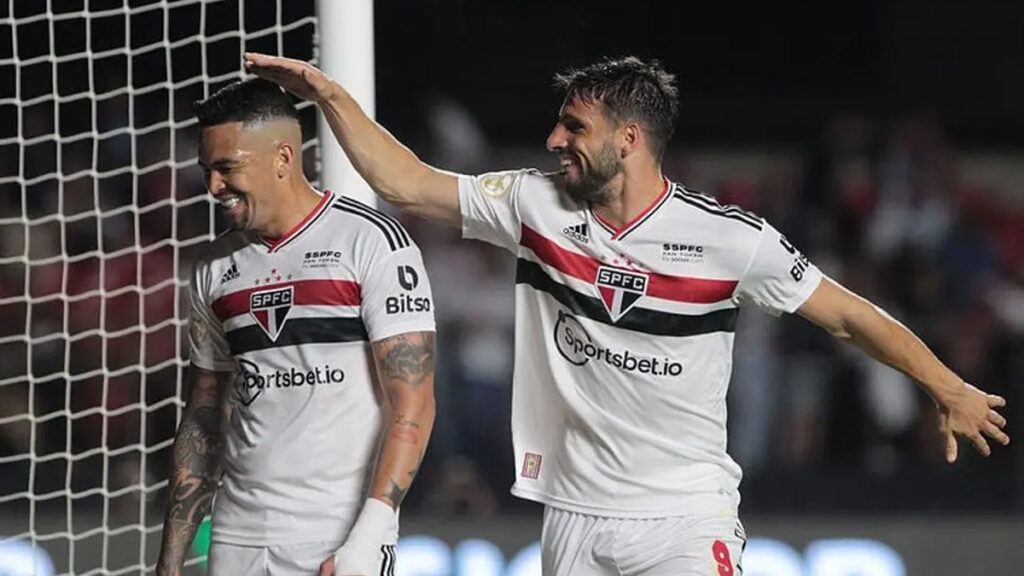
(632, 138)
(284, 161)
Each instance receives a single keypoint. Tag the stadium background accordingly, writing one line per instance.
(885, 138)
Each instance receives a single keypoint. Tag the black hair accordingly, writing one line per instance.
(247, 101)
(630, 89)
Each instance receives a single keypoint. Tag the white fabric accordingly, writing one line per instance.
(624, 341)
(296, 319)
(576, 544)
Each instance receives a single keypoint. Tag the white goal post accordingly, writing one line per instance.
(102, 211)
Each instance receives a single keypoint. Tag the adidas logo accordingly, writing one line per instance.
(577, 232)
(229, 274)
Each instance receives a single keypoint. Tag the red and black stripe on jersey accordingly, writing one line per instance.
(322, 292)
(639, 319)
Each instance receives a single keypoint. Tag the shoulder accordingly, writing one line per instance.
(509, 182)
(708, 213)
(367, 227)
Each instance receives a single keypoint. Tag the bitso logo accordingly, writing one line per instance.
(576, 345)
(620, 289)
(270, 308)
(408, 278)
(251, 382)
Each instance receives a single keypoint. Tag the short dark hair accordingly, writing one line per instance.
(247, 101)
(630, 89)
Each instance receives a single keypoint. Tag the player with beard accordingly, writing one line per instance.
(311, 340)
(627, 291)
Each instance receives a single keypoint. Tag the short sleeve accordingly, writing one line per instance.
(488, 204)
(208, 347)
(396, 295)
(779, 278)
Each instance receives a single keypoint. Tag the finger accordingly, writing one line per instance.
(996, 418)
(980, 444)
(327, 567)
(996, 401)
(996, 434)
(950, 447)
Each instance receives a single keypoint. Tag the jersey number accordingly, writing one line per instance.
(721, 553)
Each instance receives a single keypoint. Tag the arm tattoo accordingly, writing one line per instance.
(396, 493)
(198, 448)
(410, 358)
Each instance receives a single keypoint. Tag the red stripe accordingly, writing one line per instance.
(677, 288)
(272, 244)
(307, 293)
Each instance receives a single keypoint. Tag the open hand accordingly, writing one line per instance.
(972, 415)
(298, 77)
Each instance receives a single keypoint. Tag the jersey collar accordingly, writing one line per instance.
(305, 224)
(639, 219)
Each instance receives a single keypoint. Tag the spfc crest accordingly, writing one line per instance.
(620, 289)
(270, 308)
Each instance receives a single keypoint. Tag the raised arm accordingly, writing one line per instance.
(391, 169)
(405, 368)
(963, 409)
(198, 454)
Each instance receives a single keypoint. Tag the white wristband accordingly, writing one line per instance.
(373, 523)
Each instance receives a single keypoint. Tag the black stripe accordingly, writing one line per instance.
(387, 233)
(384, 220)
(387, 565)
(304, 228)
(637, 319)
(712, 204)
(298, 331)
(396, 226)
(724, 214)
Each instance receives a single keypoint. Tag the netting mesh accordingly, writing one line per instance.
(101, 213)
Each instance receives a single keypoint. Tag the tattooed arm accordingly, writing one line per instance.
(405, 368)
(198, 451)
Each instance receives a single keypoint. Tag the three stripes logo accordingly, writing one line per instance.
(620, 289)
(230, 274)
(577, 232)
(270, 309)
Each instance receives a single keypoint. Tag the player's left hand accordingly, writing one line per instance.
(349, 563)
(972, 414)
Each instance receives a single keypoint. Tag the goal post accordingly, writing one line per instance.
(102, 212)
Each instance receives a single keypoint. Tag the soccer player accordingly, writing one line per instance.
(627, 293)
(310, 396)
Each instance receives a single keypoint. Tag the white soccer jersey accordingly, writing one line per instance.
(295, 319)
(624, 340)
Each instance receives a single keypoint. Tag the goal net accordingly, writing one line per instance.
(102, 211)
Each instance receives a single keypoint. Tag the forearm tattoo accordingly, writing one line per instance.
(198, 451)
(406, 360)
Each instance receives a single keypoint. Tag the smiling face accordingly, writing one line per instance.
(585, 140)
(240, 171)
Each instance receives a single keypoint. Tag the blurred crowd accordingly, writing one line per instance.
(91, 342)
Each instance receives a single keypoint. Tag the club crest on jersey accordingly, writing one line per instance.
(270, 309)
(620, 289)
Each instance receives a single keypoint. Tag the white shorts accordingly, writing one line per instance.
(696, 545)
(290, 560)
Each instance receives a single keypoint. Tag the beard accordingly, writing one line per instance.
(594, 187)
